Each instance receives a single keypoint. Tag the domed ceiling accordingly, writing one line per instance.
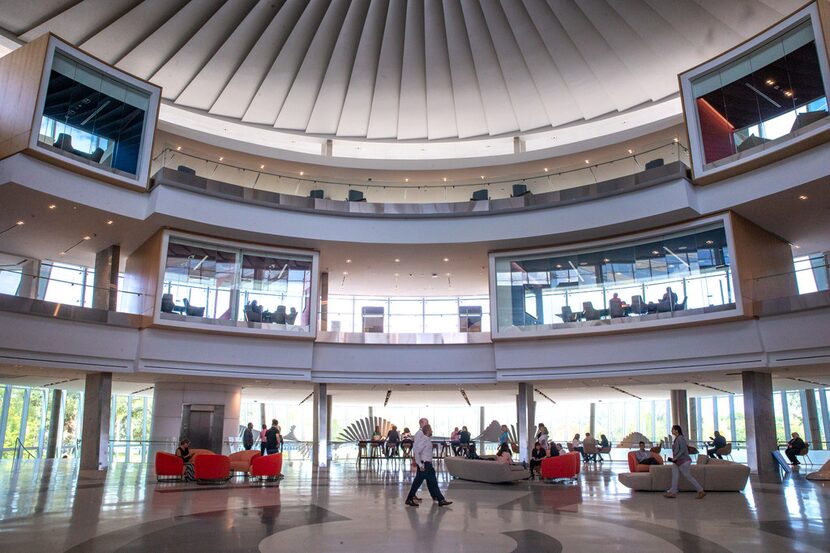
(402, 69)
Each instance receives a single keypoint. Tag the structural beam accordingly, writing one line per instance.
(760, 425)
(96, 430)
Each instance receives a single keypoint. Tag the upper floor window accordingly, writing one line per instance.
(758, 97)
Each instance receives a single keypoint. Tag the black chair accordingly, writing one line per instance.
(567, 316)
(589, 312)
(185, 169)
(316, 194)
(356, 196)
(519, 190)
(638, 306)
(654, 163)
(279, 315)
(64, 142)
(615, 309)
(480, 195)
(192, 311)
(682, 305)
(167, 305)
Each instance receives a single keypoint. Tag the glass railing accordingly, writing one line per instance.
(805, 287)
(550, 179)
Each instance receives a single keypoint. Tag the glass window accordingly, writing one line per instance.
(680, 274)
(769, 93)
(235, 287)
(92, 117)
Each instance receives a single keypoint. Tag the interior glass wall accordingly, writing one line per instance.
(674, 275)
(765, 95)
(92, 117)
(240, 287)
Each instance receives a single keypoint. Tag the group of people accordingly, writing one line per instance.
(395, 440)
(593, 445)
(270, 439)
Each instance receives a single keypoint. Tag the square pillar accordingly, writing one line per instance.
(760, 425)
(525, 410)
(95, 434)
(54, 424)
(324, 301)
(105, 291)
(692, 430)
(321, 448)
(680, 409)
(809, 411)
(592, 420)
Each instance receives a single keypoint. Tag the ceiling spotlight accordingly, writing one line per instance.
(587, 161)
(606, 260)
(406, 180)
(583, 263)
(87, 237)
(63, 253)
(302, 173)
(52, 206)
(397, 260)
(788, 93)
(221, 158)
(803, 197)
(446, 259)
(345, 272)
(445, 179)
(630, 151)
(655, 252)
(770, 82)
(110, 222)
(348, 261)
(710, 242)
(482, 177)
(796, 246)
(178, 148)
(20, 223)
(675, 139)
(546, 169)
(558, 266)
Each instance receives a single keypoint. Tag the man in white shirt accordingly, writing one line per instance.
(422, 456)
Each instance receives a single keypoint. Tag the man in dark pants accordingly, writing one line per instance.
(248, 436)
(422, 454)
(717, 442)
(272, 438)
(794, 447)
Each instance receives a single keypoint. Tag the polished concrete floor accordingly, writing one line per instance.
(46, 507)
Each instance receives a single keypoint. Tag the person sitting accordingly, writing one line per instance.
(183, 451)
(644, 456)
(471, 451)
(464, 436)
(603, 441)
(616, 307)
(406, 441)
(557, 450)
(455, 440)
(576, 445)
(536, 456)
(669, 300)
(376, 437)
(393, 438)
(717, 442)
(794, 447)
(590, 443)
(504, 455)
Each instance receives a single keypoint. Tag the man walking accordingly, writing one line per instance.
(272, 438)
(422, 455)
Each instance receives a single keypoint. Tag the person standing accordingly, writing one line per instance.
(422, 455)
(248, 436)
(262, 439)
(273, 438)
(504, 437)
(681, 463)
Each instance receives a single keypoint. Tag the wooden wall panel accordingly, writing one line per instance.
(142, 275)
(20, 76)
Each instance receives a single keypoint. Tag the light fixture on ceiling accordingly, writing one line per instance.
(606, 260)
(675, 139)
(482, 177)
(110, 222)
(52, 206)
(302, 173)
(63, 253)
(262, 166)
(546, 169)
(445, 179)
(770, 82)
(396, 275)
(587, 161)
(710, 242)
(20, 223)
(446, 259)
(788, 93)
(434, 275)
(345, 273)
(87, 237)
(348, 261)
(178, 148)
(221, 158)
(406, 180)
(448, 274)
(803, 197)
(796, 246)
(630, 151)
(655, 252)
(583, 263)
(397, 260)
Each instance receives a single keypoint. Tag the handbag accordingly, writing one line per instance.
(514, 447)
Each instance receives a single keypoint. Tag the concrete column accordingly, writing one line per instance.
(760, 425)
(810, 413)
(825, 415)
(54, 423)
(105, 293)
(525, 412)
(481, 423)
(691, 432)
(592, 420)
(321, 448)
(324, 302)
(262, 415)
(30, 271)
(680, 409)
(96, 430)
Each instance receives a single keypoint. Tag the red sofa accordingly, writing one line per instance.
(211, 468)
(169, 466)
(567, 465)
(634, 466)
(269, 466)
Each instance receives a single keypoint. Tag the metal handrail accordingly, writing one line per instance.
(92, 286)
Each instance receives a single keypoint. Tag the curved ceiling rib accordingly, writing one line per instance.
(402, 69)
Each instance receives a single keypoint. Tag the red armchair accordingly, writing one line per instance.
(241, 460)
(269, 466)
(565, 466)
(212, 468)
(634, 466)
(169, 466)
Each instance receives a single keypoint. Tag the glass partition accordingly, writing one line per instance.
(758, 96)
(231, 286)
(675, 275)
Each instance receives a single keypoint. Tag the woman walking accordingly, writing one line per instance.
(682, 463)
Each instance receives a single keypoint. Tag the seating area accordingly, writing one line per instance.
(713, 474)
(485, 470)
(617, 310)
(212, 468)
(562, 467)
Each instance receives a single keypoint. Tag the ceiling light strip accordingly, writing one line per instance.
(464, 395)
(711, 387)
(624, 392)
(306, 398)
(544, 395)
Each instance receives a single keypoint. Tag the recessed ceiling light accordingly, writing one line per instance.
(558, 266)
(796, 246)
(682, 248)
(63, 253)
(406, 180)
(178, 148)
(583, 262)
(110, 222)
(52, 206)
(606, 260)
(803, 197)
(482, 177)
(302, 173)
(449, 274)
(770, 82)
(446, 259)
(709, 242)
(445, 179)
(19, 223)
(630, 151)
(221, 158)
(788, 93)
(587, 161)
(87, 237)
(397, 260)
(345, 272)
(546, 169)
(348, 261)
(262, 166)
(675, 139)
(655, 252)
